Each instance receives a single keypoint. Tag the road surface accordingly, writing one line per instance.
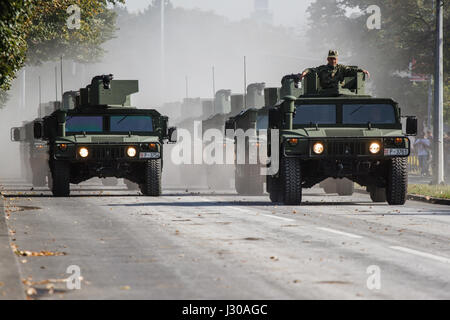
(203, 245)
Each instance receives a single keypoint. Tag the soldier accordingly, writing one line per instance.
(332, 73)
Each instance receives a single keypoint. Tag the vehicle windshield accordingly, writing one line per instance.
(84, 124)
(126, 123)
(315, 114)
(262, 122)
(365, 113)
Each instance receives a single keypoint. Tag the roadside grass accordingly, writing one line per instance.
(442, 192)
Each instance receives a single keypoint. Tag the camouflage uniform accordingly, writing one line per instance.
(330, 76)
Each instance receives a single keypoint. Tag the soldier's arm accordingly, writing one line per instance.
(348, 69)
(306, 71)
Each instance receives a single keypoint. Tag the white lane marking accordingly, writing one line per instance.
(280, 218)
(421, 254)
(238, 209)
(252, 211)
(351, 235)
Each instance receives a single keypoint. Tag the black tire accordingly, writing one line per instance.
(61, 179)
(39, 179)
(50, 180)
(239, 184)
(292, 181)
(131, 185)
(249, 184)
(345, 187)
(152, 181)
(329, 186)
(397, 181)
(110, 182)
(378, 194)
(274, 189)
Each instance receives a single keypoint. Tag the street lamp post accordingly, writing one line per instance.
(163, 52)
(438, 127)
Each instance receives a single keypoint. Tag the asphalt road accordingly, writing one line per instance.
(203, 245)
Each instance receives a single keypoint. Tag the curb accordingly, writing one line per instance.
(10, 282)
(428, 199)
(415, 197)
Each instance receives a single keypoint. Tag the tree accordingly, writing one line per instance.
(14, 22)
(406, 35)
(34, 31)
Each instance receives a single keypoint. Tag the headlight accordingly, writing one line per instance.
(318, 148)
(374, 147)
(83, 152)
(131, 152)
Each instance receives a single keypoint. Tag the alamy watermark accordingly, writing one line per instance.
(73, 282)
(235, 147)
(374, 20)
(74, 19)
(374, 280)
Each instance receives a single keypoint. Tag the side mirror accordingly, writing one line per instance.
(37, 130)
(411, 126)
(229, 125)
(15, 134)
(173, 134)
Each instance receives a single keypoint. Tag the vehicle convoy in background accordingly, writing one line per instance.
(247, 170)
(97, 133)
(220, 176)
(338, 133)
(34, 152)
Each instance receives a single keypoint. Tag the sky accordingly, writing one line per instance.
(286, 12)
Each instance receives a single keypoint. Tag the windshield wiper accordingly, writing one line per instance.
(356, 110)
(122, 119)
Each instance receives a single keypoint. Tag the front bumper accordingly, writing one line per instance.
(347, 148)
(107, 152)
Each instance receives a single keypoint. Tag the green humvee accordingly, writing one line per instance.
(34, 152)
(229, 105)
(338, 133)
(96, 133)
(248, 179)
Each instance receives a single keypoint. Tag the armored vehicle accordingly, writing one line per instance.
(228, 105)
(247, 126)
(338, 132)
(34, 152)
(96, 133)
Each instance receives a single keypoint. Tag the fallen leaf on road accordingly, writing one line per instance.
(125, 288)
(274, 258)
(43, 253)
(31, 292)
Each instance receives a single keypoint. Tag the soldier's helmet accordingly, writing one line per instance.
(333, 54)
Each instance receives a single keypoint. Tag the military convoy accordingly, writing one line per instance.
(331, 136)
(96, 133)
(34, 152)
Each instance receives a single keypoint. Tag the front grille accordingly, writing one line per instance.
(345, 147)
(108, 153)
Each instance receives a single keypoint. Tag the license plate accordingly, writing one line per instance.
(149, 155)
(395, 152)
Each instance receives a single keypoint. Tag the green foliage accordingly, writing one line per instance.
(35, 31)
(447, 104)
(442, 192)
(14, 21)
(407, 34)
(49, 36)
